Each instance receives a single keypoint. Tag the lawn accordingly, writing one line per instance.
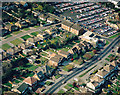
(7, 36)
(26, 29)
(5, 46)
(8, 84)
(114, 36)
(43, 29)
(107, 42)
(30, 67)
(87, 71)
(107, 59)
(79, 61)
(48, 83)
(57, 76)
(16, 42)
(16, 81)
(49, 50)
(16, 32)
(44, 54)
(35, 33)
(68, 67)
(26, 37)
(66, 87)
(36, 26)
(43, 60)
(70, 85)
(61, 91)
(111, 55)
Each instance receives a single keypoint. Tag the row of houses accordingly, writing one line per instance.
(71, 27)
(103, 76)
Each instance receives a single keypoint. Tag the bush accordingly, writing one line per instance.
(76, 88)
(70, 85)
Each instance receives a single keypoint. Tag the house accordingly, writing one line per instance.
(23, 89)
(10, 51)
(43, 17)
(32, 21)
(43, 35)
(4, 54)
(31, 81)
(114, 63)
(56, 60)
(27, 51)
(66, 25)
(39, 75)
(64, 54)
(16, 49)
(11, 27)
(30, 41)
(51, 31)
(50, 19)
(21, 24)
(109, 68)
(21, 46)
(93, 85)
(76, 29)
(102, 73)
(36, 39)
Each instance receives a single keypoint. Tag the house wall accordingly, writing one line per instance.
(63, 55)
(65, 27)
(74, 31)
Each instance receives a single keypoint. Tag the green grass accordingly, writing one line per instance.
(48, 83)
(44, 54)
(87, 71)
(21, 79)
(16, 32)
(66, 87)
(26, 29)
(16, 42)
(107, 59)
(107, 42)
(114, 36)
(7, 36)
(26, 37)
(5, 46)
(76, 88)
(16, 81)
(36, 26)
(57, 76)
(35, 33)
(43, 29)
(61, 91)
(111, 55)
(30, 67)
(8, 84)
(49, 50)
(70, 85)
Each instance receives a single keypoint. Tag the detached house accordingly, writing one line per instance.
(93, 85)
(56, 60)
(43, 17)
(31, 81)
(32, 21)
(109, 68)
(39, 75)
(76, 29)
(64, 54)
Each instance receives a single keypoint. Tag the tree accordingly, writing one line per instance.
(40, 8)
(75, 56)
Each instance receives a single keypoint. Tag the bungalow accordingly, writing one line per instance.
(39, 75)
(102, 73)
(23, 89)
(64, 54)
(11, 27)
(76, 29)
(21, 24)
(51, 19)
(56, 60)
(31, 81)
(66, 25)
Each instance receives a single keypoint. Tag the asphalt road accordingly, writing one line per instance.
(87, 65)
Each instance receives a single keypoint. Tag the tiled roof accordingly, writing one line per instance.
(67, 23)
(22, 87)
(30, 80)
(63, 52)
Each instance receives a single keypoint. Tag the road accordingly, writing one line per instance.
(87, 65)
